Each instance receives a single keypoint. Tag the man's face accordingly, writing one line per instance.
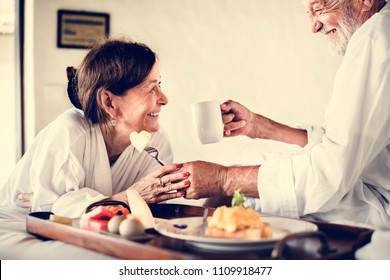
(336, 20)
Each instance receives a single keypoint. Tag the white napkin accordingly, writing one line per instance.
(377, 249)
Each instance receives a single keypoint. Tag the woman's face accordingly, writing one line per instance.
(140, 107)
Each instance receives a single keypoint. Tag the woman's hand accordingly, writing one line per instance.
(163, 183)
(25, 200)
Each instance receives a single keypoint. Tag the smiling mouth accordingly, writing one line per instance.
(154, 114)
(330, 32)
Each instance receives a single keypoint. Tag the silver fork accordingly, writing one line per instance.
(204, 224)
(153, 152)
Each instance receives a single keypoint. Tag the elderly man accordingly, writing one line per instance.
(342, 171)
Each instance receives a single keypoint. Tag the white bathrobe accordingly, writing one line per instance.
(67, 167)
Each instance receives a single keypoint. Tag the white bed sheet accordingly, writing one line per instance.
(17, 244)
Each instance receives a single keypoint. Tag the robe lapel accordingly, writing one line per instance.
(102, 171)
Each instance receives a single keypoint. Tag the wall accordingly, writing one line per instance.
(8, 148)
(260, 53)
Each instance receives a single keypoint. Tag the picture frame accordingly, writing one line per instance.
(80, 29)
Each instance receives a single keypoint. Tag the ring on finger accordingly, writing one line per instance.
(161, 183)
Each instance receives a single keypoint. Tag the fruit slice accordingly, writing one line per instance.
(140, 209)
(106, 212)
(140, 140)
(93, 224)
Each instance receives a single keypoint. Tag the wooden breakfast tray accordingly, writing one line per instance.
(332, 241)
(38, 223)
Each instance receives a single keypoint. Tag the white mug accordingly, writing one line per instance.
(208, 121)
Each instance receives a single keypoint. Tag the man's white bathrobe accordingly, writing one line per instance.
(67, 167)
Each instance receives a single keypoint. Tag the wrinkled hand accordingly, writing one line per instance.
(206, 179)
(25, 200)
(237, 119)
(163, 183)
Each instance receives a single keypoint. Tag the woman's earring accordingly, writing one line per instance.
(113, 122)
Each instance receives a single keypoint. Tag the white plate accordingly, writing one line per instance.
(190, 229)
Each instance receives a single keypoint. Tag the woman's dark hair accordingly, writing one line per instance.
(112, 64)
(72, 87)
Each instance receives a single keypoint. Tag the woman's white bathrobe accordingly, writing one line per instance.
(67, 167)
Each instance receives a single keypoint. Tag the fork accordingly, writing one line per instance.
(153, 152)
(204, 224)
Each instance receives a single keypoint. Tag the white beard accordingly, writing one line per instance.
(337, 46)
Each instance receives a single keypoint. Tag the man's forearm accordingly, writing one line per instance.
(243, 178)
(265, 128)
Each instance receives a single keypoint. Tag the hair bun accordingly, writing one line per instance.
(72, 87)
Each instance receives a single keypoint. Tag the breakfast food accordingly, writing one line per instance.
(237, 222)
(118, 219)
(126, 226)
(106, 212)
(98, 218)
(140, 140)
(140, 209)
(235, 218)
(131, 227)
(114, 223)
(93, 224)
(60, 219)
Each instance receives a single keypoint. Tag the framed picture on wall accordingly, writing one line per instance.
(80, 29)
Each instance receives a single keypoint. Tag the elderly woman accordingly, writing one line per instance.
(85, 155)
